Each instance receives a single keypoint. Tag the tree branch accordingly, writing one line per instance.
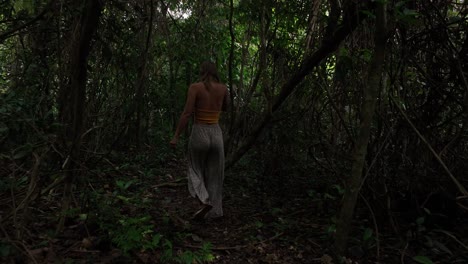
(329, 45)
(8, 33)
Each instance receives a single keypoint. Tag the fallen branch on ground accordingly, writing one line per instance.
(239, 246)
(175, 183)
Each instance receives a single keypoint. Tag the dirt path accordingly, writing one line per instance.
(250, 231)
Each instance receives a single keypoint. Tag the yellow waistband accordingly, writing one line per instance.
(207, 116)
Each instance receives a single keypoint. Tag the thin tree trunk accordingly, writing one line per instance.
(367, 113)
(260, 72)
(265, 84)
(239, 92)
(230, 65)
(171, 60)
(311, 31)
(142, 75)
(73, 96)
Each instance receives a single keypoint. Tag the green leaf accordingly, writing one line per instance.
(26, 5)
(344, 52)
(442, 247)
(206, 247)
(366, 55)
(186, 257)
(422, 260)
(127, 184)
(338, 188)
(331, 229)
(209, 257)
(408, 16)
(400, 4)
(134, 235)
(368, 13)
(21, 154)
(275, 211)
(420, 221)
(156, 240)
(120, 184)
(123, 198)
(410, 12)
(367, 234)
(5, 250)
(258, 224)
(124, 185)
(427, 211)
(83, 217)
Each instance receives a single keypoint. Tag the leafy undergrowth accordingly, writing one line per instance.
(137, 209)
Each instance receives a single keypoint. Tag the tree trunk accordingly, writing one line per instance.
(73, 96)
(311, 30)
(230, 65)
(238, 118)
(142, 76)
(367, 113)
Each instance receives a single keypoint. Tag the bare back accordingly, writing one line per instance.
(210, 99)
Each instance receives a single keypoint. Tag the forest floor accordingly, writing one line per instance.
(139, 211)
(254, 229)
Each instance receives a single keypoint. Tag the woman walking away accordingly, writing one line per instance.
(206, 99)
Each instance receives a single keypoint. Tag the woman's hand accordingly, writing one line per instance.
(173, 142)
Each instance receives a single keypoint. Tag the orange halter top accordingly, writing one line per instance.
(209, 117)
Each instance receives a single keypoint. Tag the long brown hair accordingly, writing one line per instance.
(208, 73)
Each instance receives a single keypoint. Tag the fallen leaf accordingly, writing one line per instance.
(326, 259)
(86, 243)
(196, 238)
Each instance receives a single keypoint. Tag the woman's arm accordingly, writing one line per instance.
(184, 117)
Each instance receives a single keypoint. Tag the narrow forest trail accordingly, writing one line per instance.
(251, 231)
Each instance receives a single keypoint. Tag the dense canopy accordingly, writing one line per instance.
(346, 138)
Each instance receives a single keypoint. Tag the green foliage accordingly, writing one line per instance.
(330, 229)
(419, 223)
(128, 233)
(436, 246)
(258, 224)
(23, 5)
(124, 185)
(366, 55)
(367, 234)
(11, 111)
(368, 240)
(405, 15)
(422, 260)
(368, 14)
(4, 184)
(12, 184)
(204, 255)
(134, 233)
(5, 249)
(333, 194)
(137, 231)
